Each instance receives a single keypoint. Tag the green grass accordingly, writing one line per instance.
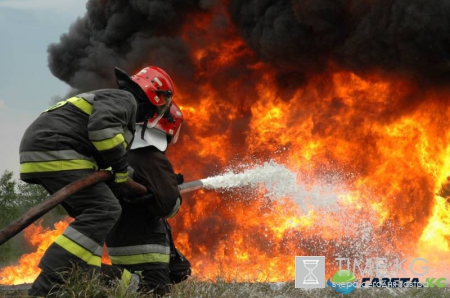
(201, 289)
(87, 285)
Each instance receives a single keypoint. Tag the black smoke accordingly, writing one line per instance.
(410, 37)
(297, 37)
(123, 33)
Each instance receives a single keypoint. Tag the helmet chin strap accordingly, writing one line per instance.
(144, 126)
(145, 113)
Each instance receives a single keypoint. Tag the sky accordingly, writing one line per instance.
(27, 87)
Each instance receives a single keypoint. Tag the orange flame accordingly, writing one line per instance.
(369, 158)
(384, 197)
(39, 237)
(28, 270)
(382, 154)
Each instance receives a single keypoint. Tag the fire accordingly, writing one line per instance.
(39, 237)
(389, 170)
(371, 150)
(386, 151)
(28, 270)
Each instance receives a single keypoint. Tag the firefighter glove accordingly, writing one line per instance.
(180, 178)
(120, 176)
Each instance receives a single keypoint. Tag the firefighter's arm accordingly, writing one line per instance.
(150, 200)
(162, 205)
(156, 173)
(113, 115)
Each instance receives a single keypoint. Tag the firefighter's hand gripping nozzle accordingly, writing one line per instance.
(58, 197)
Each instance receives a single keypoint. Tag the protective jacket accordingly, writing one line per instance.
(65, 143)
(89, 131)
(140, 241)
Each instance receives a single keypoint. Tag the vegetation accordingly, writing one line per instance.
(81, 284)
(16, 197)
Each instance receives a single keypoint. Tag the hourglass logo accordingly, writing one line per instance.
(310, 272)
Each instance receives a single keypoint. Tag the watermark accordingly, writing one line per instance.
(384, 267)
(343, 282)
(374, 273)
(310, 272)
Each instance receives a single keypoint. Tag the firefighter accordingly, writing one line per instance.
(76, 137)
(141, 241)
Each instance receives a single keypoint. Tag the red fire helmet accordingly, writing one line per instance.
(157, 85)
(170, 123)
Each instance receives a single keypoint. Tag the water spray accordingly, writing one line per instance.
(277, 180)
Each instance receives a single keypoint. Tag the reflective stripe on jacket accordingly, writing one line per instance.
(139, 254)
(89, 131)
(140, 239)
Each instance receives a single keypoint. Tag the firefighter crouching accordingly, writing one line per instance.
(141, 241)
(74, 138)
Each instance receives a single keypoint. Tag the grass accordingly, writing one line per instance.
(201, 289)
(80, 284)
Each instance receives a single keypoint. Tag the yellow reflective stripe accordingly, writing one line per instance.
(77, 250)
(95, 261)
(55, 106)
(82, 104)
(140, 259)
(138, 249)
(81, 239)
(57, 165)
(79, 102)
(120, 177)
(105, 133)
(39, 156)
(109, 143)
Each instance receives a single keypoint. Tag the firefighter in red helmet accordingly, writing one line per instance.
(141, 241)
(76, 137)
(158, 88)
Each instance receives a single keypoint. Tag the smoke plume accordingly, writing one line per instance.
(299, 38)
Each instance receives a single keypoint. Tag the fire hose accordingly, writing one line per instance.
(58, 197)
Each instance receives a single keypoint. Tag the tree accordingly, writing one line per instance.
(8, 199)
(15, 199)
(30, 194)
(9, 210)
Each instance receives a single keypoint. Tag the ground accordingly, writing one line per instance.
(264, 290)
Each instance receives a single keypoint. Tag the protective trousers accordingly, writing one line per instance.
(95, 210)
